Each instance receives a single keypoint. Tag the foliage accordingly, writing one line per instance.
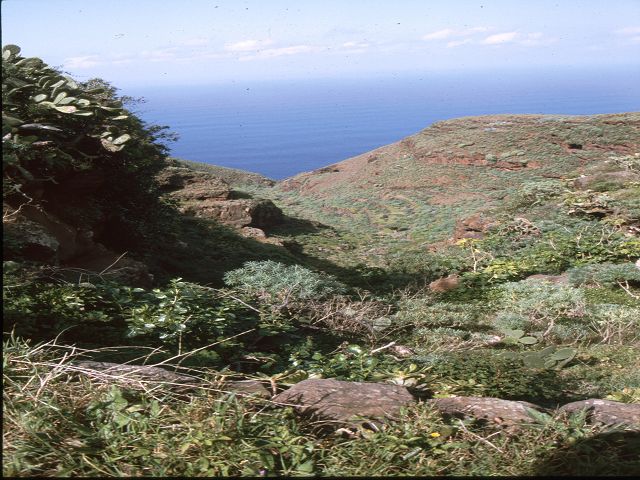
(605, 274)
(53, 126)
(491, 374)
(539, 306)
(280, 284)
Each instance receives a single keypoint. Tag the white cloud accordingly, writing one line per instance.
(78, 63)
(449, 33)
(247, 45)
(439, 35)
(355, 45)
(536, 39)
(457, 43)
(500, 38)
(631, 35)
(280, 52)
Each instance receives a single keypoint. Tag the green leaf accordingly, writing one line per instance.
(66, 109)
(564, 354)
(59, 97)
(9, 51)
(40, 97)
(67, 100)
(528, 340)
(11, 121)
(121, 139)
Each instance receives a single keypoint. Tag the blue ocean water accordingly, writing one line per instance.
(282, 128)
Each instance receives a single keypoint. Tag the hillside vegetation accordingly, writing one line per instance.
(160, 314)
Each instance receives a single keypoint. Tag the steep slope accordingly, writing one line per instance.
(414, 191)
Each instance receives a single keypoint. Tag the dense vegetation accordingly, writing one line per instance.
(282, 315)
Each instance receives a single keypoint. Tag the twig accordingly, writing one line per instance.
(483, 440)
(391, 344)
(117, 260)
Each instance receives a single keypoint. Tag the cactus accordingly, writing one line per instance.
(518, 336)
(549, 357)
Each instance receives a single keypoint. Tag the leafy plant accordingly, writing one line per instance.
(279, 284)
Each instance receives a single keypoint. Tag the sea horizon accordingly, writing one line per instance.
(282, 128)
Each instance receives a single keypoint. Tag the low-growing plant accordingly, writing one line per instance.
(542, 305)
(278, 285)
(605, 275)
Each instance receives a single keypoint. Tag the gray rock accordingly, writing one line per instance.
(346, 402)
(607, 412)
(619, 179)
(135, 374)
(492, 410)
(247, 388)
(32, 239)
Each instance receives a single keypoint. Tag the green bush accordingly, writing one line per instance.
(605, 274)
(540, 306)
(489, 374)
(279, 285)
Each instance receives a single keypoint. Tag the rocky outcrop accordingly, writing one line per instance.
(607, 412)
(492, 410)
(346, 402)
(615, 179)
(204, 195)
(192, 185)
(349, 403)
(37, 235)
(238, 213)
(474, 226)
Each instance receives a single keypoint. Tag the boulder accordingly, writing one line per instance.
(445, 284)
(238, 213)
(188, 184)
(134, 375)
(615, 179)
(607, 412)
(31, 240)
(474, 226)
(346, 402)
(246, 388)
(495, 411)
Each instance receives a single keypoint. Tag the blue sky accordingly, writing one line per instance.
(139, 42)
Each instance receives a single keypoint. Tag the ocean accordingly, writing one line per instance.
(283, 128)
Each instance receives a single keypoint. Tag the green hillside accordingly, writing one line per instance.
(463, 302)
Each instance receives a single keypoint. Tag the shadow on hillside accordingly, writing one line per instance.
(609, 453)
(202, 251)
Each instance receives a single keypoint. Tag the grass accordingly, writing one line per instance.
(57, 423)
(385, 233)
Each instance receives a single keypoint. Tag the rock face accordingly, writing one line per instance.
(192, 185)
(204, 195)
(343, 402)
(38, 235)
(491, 410)
(237, 213)
(607, 412)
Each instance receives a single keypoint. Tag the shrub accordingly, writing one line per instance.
(617, 324)
(535, 193)
(278, 284)
(539, 306)
(488, 374)
(605, 274)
